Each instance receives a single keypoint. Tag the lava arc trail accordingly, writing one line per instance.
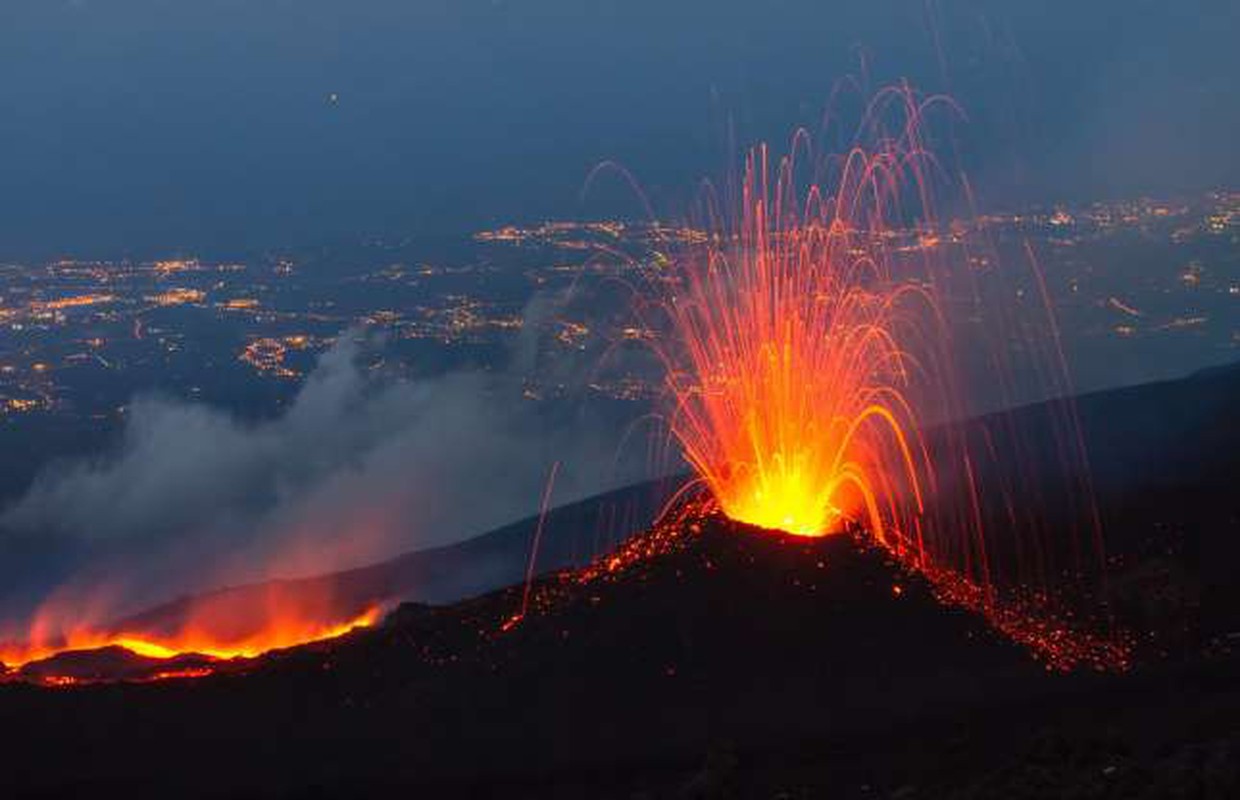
(794, 369)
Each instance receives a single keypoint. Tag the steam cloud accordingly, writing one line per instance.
(356, 470)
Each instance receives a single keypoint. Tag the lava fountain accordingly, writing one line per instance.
(812, 340)
(794, 362)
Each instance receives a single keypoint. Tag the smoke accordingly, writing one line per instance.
(357, 469)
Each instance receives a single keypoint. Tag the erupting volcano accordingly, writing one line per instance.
(790, 398)
(812, 376)
(815, 384)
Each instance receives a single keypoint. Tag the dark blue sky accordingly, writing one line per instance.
(139, 125)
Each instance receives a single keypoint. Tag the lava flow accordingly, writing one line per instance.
(227, 625)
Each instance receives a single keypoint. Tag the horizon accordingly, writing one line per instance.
(138, 126)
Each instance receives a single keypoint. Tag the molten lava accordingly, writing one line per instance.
(221, 626)
(794, 356)
(817, 330)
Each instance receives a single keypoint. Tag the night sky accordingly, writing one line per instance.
(141, 125)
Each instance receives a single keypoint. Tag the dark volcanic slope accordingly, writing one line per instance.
(735, 664)
(734, 636)
(1164, 463)
(1164, 459)
(769, 659)
(572, 535)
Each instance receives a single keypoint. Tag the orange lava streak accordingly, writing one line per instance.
(275, 634)
(791, 378)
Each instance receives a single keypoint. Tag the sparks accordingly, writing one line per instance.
(790, 382)
(811, 372)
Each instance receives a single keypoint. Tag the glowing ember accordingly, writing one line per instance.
(790, 381)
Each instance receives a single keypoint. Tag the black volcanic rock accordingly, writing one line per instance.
(723, 660)
(731, 636)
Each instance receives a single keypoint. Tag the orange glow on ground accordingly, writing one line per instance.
(275, 633)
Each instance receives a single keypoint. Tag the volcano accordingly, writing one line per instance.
(707, 658)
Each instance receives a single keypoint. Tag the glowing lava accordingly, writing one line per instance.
(791, 374)
(215, 626)
(813, 365)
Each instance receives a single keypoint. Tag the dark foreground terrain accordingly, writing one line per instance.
(725, 662)
(712, 660)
